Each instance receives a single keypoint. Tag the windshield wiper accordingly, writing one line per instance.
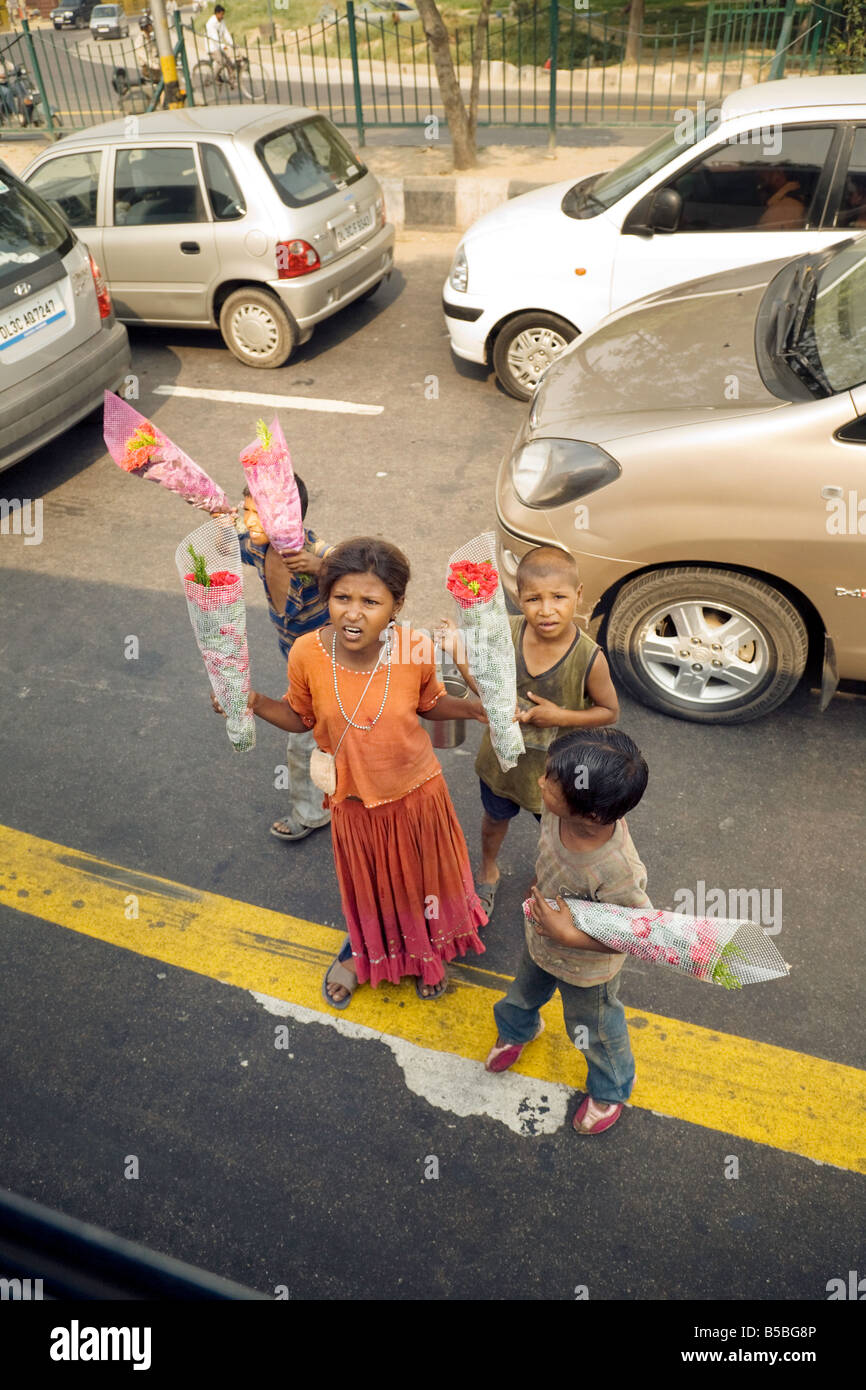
(790, 346)
(579, 197)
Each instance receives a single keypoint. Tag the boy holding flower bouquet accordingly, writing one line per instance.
(563, 682)
(591, 781)
(295, 607)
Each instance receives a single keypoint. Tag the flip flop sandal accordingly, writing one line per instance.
(439, 989)
(487, 895)
(602, 1121)
(285, 829)
(337, 974)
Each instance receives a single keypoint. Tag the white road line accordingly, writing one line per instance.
(201, 393)
(527, 1106)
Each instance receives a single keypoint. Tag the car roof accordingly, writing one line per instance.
(791, 92)
(191, 122)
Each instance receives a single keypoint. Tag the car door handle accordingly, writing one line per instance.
(190, 248)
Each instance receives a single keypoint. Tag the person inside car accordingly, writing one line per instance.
(786, 206)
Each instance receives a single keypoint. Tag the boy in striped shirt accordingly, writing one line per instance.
(592, 779)
(295, 607)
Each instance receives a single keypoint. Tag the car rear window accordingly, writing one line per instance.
(104, 12)
(30, 231)
(308, 161)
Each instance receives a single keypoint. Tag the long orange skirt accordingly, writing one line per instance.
(406, 883)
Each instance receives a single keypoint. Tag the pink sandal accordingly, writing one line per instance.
(501, 1058)
(591, 1119)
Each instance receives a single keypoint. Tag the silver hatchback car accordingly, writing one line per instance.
(257, 220)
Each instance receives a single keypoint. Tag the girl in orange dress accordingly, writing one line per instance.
(403, 868)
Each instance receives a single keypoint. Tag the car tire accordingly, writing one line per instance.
(653, 657)
(256, 328)
(524, 346)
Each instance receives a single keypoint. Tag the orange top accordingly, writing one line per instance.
(388, 760)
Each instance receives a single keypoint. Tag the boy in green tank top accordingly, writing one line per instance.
(563, 682)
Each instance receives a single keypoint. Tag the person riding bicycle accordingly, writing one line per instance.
(219, 40)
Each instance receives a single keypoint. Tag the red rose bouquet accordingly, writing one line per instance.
(474, 583)
(721, 950)
(138, 446)
(215, 601)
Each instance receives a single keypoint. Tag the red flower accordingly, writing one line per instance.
(223, 577)
(472, 582)
(139, 449)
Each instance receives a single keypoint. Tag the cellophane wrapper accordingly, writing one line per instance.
(490, 655)
(714, 949)
(163, 462)
(219, 621)
(271, 480)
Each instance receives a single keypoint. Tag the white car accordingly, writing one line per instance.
(779, 169)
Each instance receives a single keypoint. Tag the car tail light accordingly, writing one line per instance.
(103, 298)
(296, 258)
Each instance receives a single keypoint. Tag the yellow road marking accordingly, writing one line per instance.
(803, 1105)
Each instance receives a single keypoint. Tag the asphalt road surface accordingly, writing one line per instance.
(365, 1155)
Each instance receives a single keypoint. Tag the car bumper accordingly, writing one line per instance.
(468, 328)
(312, 298)
(60, 395)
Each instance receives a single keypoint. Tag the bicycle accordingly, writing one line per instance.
(233, 73)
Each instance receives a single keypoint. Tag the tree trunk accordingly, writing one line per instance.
(462, 135)
(477, 59)
(635, 25)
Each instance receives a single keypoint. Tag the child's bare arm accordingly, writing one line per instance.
(277, 712)
(558, 925)
(455, 707)
(453, 643)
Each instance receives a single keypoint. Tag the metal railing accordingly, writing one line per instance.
(552, 65)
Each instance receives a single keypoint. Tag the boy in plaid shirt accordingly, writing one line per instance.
(295, 607)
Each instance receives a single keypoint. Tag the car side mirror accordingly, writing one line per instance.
(659, 211)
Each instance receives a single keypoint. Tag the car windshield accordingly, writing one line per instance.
(104, 12)
(29, 232)
(598, 194)
(833, 335)
(308, 161)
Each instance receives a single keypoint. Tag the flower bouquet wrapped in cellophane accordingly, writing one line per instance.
(267, 465)
(724, 951)
(209, 563)
(473, 582)
(138, 446)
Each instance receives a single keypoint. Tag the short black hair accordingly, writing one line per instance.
(302, 494)
(544, 560)
(366, 555)
(602, 772)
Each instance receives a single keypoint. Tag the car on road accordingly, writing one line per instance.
(75, 15)
(777, 170)
(60, 344)
(257, 220)
(372, 11)
(109, 22)
(702, 454)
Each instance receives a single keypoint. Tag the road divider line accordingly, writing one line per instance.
(756, 1091)
(202, 393)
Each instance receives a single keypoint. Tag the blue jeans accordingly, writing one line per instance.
(596, 1008)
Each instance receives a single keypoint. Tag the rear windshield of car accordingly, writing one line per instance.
(30, 231)
(105, 11)
(308, 161)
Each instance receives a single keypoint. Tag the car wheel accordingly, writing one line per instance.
(713, 646)
(525, 346)
(256, 328)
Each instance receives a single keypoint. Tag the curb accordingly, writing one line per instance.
(449, 203)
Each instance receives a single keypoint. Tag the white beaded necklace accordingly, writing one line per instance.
(350, 721)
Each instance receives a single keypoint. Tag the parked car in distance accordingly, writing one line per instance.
(258, 220)
(60, 344)
(702, 454)
(109, 22)
(75, 15)
(777, 170)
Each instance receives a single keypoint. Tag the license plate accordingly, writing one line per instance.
(103, 28)
(23, 320)
(349, 230)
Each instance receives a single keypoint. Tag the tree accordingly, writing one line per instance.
(850, 49)
(462, 120)
(635, 25)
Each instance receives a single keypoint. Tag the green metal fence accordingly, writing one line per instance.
(551, 65)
